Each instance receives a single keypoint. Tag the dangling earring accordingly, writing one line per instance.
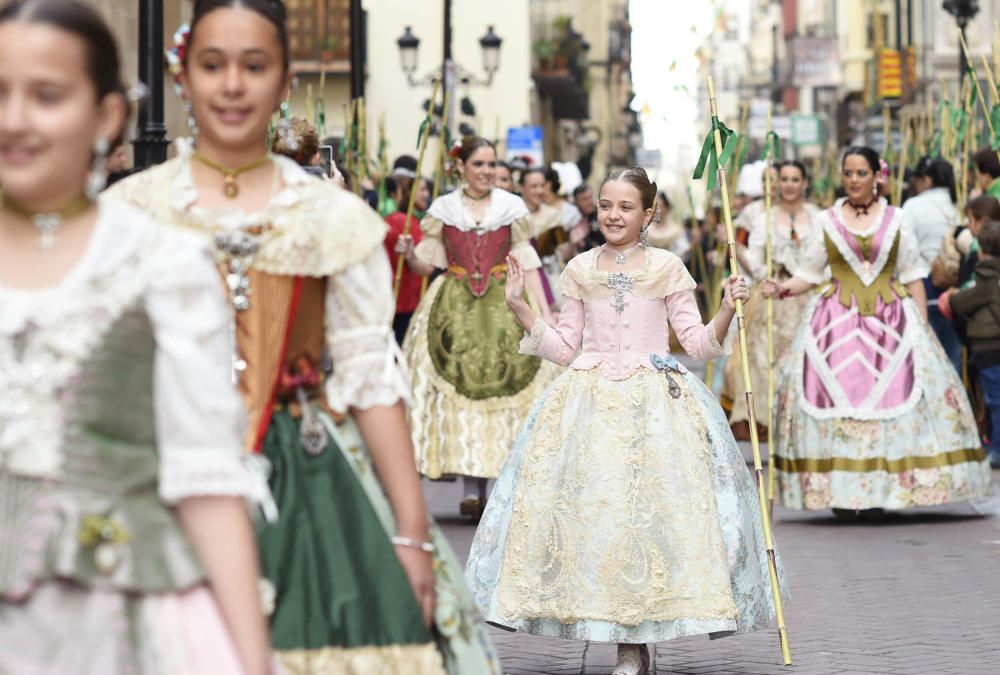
(98, 177)
(285, 130)
(644, 235)
(191, 121)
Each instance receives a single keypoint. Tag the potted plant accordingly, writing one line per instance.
(326, 55)
(544, 49)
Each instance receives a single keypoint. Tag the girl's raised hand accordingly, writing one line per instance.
(514, 288)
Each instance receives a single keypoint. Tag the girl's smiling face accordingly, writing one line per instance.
(620, 214)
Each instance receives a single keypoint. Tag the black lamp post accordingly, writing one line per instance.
(409, 45)
(963, 11)
(150, 144)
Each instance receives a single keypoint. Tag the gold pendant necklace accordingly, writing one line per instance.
(49, 222)
(229, 186)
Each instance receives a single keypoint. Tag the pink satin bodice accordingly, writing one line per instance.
(620, 344)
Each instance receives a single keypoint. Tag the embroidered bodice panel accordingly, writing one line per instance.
(593, 333)
(506, 212)
(477, 256)
(310, 228)
(114, 403)
(872, 246)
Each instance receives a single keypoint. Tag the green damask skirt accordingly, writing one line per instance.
(472, 389)
(342, 601)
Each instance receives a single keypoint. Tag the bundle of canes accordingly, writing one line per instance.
(422, 134)
(765, 516)
(770, 152)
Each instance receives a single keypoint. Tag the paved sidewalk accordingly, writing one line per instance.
(913, 594)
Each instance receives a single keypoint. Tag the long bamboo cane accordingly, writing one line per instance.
(442, 149)
(994, 94)
(897, 188)
(413, 197)
(962, 159)
(765, 515)
(362, 140)
(772, 476)
(741, 142)
(975, 84)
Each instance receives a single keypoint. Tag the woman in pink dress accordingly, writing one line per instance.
(870, 415)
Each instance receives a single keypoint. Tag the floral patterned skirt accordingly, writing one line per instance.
(623, 514)
(787, 319)
(925, 453)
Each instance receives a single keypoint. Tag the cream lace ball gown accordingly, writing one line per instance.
(625, 512)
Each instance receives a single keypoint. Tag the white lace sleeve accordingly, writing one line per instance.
(910, 265)
(366, 359)
(814, 261)
(200, 419)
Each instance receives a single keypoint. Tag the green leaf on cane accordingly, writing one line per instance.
(772, 147)
(711, 160)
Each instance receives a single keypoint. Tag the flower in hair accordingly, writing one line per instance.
(175, 56)
(883, 172)
(455, 150)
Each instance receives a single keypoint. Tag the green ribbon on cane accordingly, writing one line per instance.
(425, 127)
(772, 147)
(709, 158)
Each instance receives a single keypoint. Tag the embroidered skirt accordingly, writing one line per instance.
(623, 514)
(472, 390)
(871, 414)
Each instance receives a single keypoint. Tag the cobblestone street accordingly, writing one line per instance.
(910, 594)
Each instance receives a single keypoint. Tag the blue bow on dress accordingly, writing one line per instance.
(665, 364)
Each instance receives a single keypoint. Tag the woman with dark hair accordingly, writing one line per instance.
(504, 179)
(793, 228)
(871, 415)
(471, 389)
(933, 214)
(126, 543)
(353, 563)
(625, 513)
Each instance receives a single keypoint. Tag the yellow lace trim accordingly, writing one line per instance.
(388, 660)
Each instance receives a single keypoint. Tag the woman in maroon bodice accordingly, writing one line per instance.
(471, 388)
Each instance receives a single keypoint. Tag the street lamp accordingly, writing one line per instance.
(408, 45)
(490, 44)
(963, 11)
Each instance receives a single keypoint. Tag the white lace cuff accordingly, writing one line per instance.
(532, 342)
(213, 474)
(713, 340)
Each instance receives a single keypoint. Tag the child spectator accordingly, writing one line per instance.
(980, 305)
